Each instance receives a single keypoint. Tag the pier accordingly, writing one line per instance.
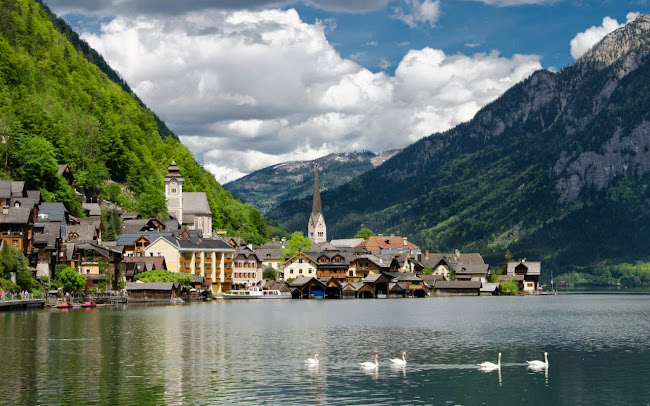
(22, 304)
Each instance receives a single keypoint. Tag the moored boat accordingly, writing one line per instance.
(88, 304)
(177, 300)
(64, 305)
(255, 292)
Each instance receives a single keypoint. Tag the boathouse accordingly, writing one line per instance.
(457, 288)
(153, 291)
(308, 287)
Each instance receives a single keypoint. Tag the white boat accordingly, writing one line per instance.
(255, 292)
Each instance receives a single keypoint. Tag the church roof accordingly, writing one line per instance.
(316, 204)
(174, 172)
(195, 203)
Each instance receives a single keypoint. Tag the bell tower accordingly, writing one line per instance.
(174, 192)
(317, 230)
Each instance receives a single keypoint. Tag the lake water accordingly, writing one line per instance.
(253, 352)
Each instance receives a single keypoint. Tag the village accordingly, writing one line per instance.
(380, 266)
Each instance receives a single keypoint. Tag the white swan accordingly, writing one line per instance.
(369, 365)
(398, 361)
(490, 365)
(312, 361)
(539, 364)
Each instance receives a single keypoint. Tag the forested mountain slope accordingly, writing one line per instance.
(57, 107)
(271, 186)
(557, 169)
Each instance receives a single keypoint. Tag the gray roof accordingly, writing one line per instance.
(430, 280)
(458, 285)
(489, 287)
(5, 189)
(195, 243)
(269, 253)
(469, 268)
(85, 231)
(16, 215)
(534, 268)
(24, 202)
(347, 243)
(92, 208)
(195, 203)
(132, 286)
(126, 240)
(47, 240)
(302, 280)
(371, 278)
(62, 168)
(55, 211)
(17, 188)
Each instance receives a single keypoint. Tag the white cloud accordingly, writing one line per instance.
(418, 12)
(248, 89)
(587, 39)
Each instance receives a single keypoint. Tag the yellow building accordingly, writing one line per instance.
(210, 259)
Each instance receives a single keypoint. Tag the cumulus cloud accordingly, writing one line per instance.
(248, 89)
(174, 7)
(587, 39)
(418, 12)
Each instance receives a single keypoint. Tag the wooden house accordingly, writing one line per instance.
(359, 290)
(526, 273)
(457, 288)
(308, 287)
(153, 291)
(333, 288)
(472, 272)
(365, 265)
(378, 282)
(334, 264)
(397, 289)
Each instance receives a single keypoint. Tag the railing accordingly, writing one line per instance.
(8, 296)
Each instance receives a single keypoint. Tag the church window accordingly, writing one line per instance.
(174, 190)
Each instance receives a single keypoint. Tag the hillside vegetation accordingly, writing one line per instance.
(57, 107)
(557, 169)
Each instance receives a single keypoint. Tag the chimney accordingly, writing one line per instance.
(5, 210)
(457, 252)
(426, 254)
(405, 242)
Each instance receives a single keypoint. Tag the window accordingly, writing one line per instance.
(14, 243)
(320, 233)
(300, 260)
(173, 190)
(300, 271)
(87, 271)
(291, 271)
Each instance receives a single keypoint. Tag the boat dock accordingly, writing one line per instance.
(22, 304)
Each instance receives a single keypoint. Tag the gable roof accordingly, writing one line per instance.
(347, 242)
(152, 285)
(458, 285)
(54, 211)
(16, 215)
(534, 268)
(86, 232)
(195, 203)
(92, 209)
(465, 268)
(378, 243)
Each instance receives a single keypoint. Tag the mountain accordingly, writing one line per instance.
(268, 187)
(557, 169)
(58, 107)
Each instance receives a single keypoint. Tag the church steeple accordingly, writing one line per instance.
(174, 192)
(316, 228)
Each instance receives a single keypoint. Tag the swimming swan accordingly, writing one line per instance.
(312, 361)
(539, 364)
(490, 365)
(369, 365)
(398, 361)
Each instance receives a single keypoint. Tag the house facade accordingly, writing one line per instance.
(299, 265)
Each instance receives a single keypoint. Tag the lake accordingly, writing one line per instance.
(253, 352)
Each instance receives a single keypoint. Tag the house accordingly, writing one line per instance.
(334, 264)
(376, 244)
(271, 253)
(359, 290)
(412, 283)
(365, 265)
(135, 243)
(378, 282)
(96, 261)
(247, 269)
(526, 273)
(66, 173)
(47, 247)
(457, 288)
(301, 264)
(153, 291)
(17, 228)
(333, 287)
(472, 272)
(82, 232)
(489, 289)
(92, 209)
(136, 265)
(210, 259)
(429, 281)
(308, 287)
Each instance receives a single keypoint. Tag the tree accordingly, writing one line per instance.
(510, 287)
(364, 233)
(427, 271)
(270, 273)
(296, 244)
(71, 280)
(508, 258)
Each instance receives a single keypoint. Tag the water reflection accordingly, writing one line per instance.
(253, 353)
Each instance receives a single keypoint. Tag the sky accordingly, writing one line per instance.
(246, 84)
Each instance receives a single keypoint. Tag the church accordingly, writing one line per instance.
(190, 209)
(317, 230)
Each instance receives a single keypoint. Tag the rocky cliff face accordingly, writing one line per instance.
(559, 155)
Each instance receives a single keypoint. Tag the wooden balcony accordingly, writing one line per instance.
(186, 270)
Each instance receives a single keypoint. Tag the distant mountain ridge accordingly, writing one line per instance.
(270, 186)
(557, 169)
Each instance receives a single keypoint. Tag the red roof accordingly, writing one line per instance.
(378, 243)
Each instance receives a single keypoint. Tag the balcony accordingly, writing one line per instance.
(186, 270)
